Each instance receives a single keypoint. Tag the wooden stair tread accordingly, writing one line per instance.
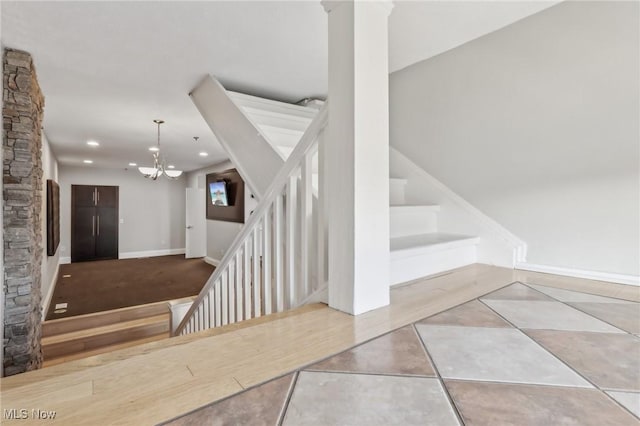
(105, 349)
(97, 319)
(105, 329)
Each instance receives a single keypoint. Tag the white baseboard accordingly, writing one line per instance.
(581, 273)
(49, 295)
(136, 254)
(212, 261)
(150, 253)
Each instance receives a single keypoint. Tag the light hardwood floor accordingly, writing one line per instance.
(160, 380)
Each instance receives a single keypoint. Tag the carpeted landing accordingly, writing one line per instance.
(88, 287)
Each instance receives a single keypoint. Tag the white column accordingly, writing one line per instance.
(357, 155)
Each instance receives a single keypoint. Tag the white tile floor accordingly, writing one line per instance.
(544, 315)
(630, 400)
(494, 354)
(321, 398)
(574, 296)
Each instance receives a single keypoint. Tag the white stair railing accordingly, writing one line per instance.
(278, 259)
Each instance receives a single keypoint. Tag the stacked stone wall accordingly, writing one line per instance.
(22, 200)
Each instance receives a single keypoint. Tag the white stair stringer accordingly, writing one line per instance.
(246, 145)
(417, 256)
(283, 124)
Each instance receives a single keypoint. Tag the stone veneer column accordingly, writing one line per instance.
(22, 180)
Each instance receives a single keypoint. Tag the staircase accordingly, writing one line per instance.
(417, 248)
(276, 262)
(279, 260)
(67, 339)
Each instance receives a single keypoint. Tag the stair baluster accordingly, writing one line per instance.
(277, 261)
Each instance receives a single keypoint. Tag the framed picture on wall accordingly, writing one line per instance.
(53, 217)
(225, 196)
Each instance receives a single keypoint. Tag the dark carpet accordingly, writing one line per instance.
(110, 284)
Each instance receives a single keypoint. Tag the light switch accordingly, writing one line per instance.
(121, 220)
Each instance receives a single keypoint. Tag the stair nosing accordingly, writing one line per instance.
(105, 329)
(434, 207)
(110, 311)
(462, 240)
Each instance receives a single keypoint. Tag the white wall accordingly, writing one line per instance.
(49, 270)
(152, 213)
(220, 234)
(537, 126)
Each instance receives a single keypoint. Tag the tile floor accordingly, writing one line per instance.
(522, 355)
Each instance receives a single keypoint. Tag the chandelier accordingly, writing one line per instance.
(159, 162)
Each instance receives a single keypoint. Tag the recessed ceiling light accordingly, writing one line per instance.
(92, 143)
(88, 161)
(203, 154)
(133, 164)
(171, 166)
(154, 149)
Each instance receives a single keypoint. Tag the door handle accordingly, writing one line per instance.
(98, 226)
(189, 227)
(93, 226)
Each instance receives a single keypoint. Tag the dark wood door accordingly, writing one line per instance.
(83, 230)
(107, 196)
(106, 233)
(94, 222)
(83, 195)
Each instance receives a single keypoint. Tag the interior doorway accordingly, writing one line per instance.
(94, 222)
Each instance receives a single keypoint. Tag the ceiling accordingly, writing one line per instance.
(107, 69)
